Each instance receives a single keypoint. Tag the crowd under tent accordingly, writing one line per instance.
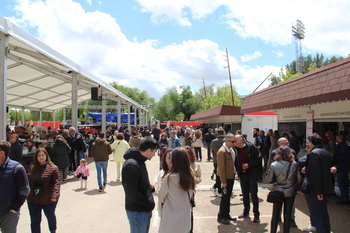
(34, 76)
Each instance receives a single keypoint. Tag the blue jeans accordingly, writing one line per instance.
(319, 213)
(101, 166)
(139, 221)
(343, 184)
(35, 216)
(209, 150)
(79, 155)
(250, 186)
(8, 222)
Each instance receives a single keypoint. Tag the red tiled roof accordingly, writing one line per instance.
(217, 111)
(326, 84)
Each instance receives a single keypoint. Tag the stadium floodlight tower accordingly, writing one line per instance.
(298, 29)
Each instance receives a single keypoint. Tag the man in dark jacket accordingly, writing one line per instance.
(319, 183)
(294, 142)
(78, 144)
(14, 189)
(139, 201)
(249, 168)
(101, 149)
(341, 160)
(156, 133)
(258, 139)
(208, 138)
(16, 148)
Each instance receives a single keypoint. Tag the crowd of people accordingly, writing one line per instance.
(269, 157)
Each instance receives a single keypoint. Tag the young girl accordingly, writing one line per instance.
(83, 172)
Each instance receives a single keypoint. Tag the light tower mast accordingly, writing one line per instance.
(298, 29)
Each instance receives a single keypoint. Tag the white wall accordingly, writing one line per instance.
(262, 122)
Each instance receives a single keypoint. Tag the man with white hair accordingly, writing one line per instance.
(226, 171)
(249, 169)
(78, 144)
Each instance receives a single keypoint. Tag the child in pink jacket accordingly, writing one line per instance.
(83, 172)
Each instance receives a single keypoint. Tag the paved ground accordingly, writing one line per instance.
(89, 211)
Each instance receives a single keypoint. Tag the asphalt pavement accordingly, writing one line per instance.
(90, 211)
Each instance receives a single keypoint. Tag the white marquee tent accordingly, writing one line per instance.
(36, 77)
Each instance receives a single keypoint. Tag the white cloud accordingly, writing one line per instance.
(253, 56)
(94, 41)
(89, 2)
(326, 22)
(278, 53)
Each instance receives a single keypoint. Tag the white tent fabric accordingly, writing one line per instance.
(40, 78)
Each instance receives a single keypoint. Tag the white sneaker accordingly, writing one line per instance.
(309, 228)
(213, 190)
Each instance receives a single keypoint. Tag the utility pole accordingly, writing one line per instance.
(205, 92)
(229, 75)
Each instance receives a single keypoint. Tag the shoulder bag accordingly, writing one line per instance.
(277, 196)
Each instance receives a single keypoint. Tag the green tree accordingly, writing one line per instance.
(288, 75)
(168, 106)
(274, 80)
(189, 104)
(222, 95)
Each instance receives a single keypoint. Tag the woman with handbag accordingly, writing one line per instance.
(285, 175)
(176, 193)
(44, 179)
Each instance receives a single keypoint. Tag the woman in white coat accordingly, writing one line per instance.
(175, 192)
(119, 147)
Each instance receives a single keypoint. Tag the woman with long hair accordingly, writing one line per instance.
(60, 156)
(285, 175)
(44, 179)
(194, 165)
(176, 192)
(197, 144)
(166, 166)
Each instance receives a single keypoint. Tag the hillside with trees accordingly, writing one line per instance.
(309, 64)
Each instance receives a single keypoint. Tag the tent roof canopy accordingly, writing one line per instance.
(40, 78)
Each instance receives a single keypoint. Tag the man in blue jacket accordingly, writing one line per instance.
(14, 189)
(173, 141)
(208, 138)
(341, 160)
(319, 183)
(139, 201)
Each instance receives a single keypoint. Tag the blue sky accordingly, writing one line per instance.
(155, 44)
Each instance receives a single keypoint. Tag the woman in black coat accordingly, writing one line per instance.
(60, 155)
